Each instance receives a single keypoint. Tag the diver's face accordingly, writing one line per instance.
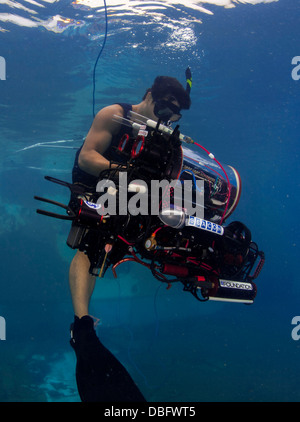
(167, 109)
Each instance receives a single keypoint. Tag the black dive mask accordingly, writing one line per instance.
(166, 110)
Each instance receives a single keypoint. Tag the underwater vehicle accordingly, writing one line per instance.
(184, 237)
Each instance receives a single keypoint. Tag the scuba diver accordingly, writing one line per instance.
(213, 261)
(100, 376)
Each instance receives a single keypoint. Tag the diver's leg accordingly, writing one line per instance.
(99, 375)
(81, 284)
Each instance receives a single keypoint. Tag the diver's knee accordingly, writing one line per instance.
(80, 262)
(81, 257)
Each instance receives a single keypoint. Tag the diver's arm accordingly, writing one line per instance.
(98, 140)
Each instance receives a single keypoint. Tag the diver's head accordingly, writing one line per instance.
(168, 97)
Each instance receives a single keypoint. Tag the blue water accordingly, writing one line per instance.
(245, 109)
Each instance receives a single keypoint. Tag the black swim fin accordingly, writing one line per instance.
(100, 376)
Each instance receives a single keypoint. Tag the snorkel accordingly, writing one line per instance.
(188, 76)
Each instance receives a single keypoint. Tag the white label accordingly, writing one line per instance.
(205, 225)
(143, 131)
(236, 285)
